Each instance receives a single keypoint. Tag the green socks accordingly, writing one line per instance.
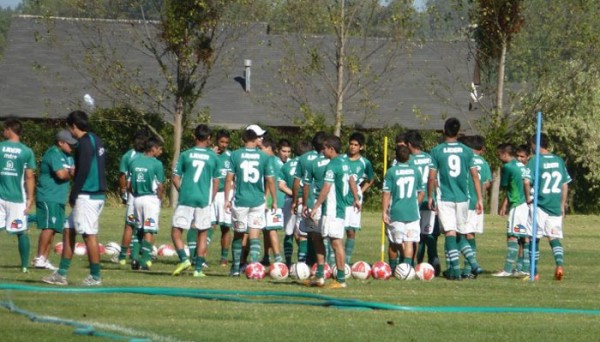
(302, 250)
(288, 249)
(95, 271)
(192, 237)
(452, 254)
(63, 266)
(558, 252)
(511, 255)
(236, 245)
(254, 250)
(349, 248)
(24, 247)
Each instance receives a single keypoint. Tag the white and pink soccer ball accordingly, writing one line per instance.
(58, 248)
(381, 270)
(425, 271)
(326, 270)
(112, 248)
(166, 250)
(278, 271)
(255, 270)
(80, 249)
(361, 270)
(101, 249)
(300, 271)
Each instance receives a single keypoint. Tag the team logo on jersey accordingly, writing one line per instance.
(10, 165)
(329, 174)
(149, 222)
(101, 152)
(16, 224)
(140, 177)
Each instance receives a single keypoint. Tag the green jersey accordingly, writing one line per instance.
(15, 157)
(452, 161)
(250, 167)
(198, 167)
(403, 181)
(277, 165)
(126, 160)
(146, 174)
(288, 172)
(422, 161)
(224, 162)
(303, 162)
(512, 176)
(315, 175)
(485, 175)
(361, 169)
(337, 173)
(552, 176)
(49, 187)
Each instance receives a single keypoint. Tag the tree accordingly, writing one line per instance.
(339, 52)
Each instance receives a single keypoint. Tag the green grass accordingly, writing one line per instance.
(175, 318)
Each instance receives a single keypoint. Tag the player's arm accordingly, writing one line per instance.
(176, 181)
(431, 188)
(527, 189)
(420, 196)
(284, 188)
(85, 154)
(227, 190)
(354, 190)
(272, 191)
(295, 188)
(366, 185)
(160, 190)
(123, 187)
(322, 198)
(29, 189)
(215, 188)
(504, 207)
(63, 174)
(385, 205)
(563, 198)
(477, 184)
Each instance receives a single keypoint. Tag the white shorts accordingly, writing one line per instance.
(453, 216)
(147, 213)
(219, 214)
(474, 223)
(353, 218)
(290, 220)
(333, 227)
(399, 232)
(311, 225)
(549, 226)
(427, 221)
(518, 223)
(85, 216)
(130, 211)
(186, 217)
(274, 221)
(12, 216)
(245, 217)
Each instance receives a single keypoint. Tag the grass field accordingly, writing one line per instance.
(172, 318)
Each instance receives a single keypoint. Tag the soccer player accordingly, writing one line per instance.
(523, 157)
(451, 163)
(362, 171)
(291, 221)
(333, 195)
(403, 192)
(249, 169)
(428, 233)
(17, 184)
(87, 197)
(196, 176)
(139, 144)
(274, 220)
(222, 217)
(56, 170)
(146, 184)
(552, 200)
(475, 221)
(515, 180)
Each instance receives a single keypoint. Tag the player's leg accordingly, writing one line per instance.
(128, 241)
(202, 244)
(266, 261)
(239, 219)
(352, 224)
(334, 229)
(289, 223)
(225, 243)
(465, 227)
(256, 225)
(447, 212)
(15, 222)
(394, 239)
(191, 240)
(512, 250)
(182, 221)
(87, 220)
(202, 224)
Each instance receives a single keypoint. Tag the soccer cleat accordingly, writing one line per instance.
(39, 262)
(476, 271)
(91, 281)
(24, 270)
(502, 274)
(234, 273)
(50, 267)
(315, 282)
(468, 276)
(184, 265)
(337, 285)
(199, 274)
(122, 262)
(135, 265)
(558, 273)
(521, 274)
(55, 279)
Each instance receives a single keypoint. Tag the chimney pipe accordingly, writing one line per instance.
(247, 73)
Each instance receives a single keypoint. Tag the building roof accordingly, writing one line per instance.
(40, 78)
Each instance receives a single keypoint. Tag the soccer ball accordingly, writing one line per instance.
(361, 270)
(326, 270)
(112, 248)
(255, 271)
(101, 249)
(58, 248)
(300, 271)
(381, 270)
(166, 250)
(347, 271)
(404, 271)
(425, 271)
(80, 249)
(278, 271)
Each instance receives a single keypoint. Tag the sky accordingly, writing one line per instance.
(9, 3)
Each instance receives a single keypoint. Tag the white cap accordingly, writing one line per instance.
(256, 128)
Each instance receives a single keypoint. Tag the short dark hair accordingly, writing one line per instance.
(477, 142)
(152, 142)
(451, 127)
(317, 140)
(284, 143)
(334, 142)
(543, 140)
(523, 148)
(400, 138)
(466, 139)
(249, 135)
(139, 140)
(507, 148)
(268, 142)
(358, 137)
(302, 147)
(402, 154)
(202, 132)
(78, 119)
(223, 133)
(414, 138)
(14, 125)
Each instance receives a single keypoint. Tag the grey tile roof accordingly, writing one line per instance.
(39, 80)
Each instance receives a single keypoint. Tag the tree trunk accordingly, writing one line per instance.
(495, 192)
(177, 133)
(340, 64)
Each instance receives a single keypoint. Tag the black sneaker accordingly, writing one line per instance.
(476, 271)
(135, 265)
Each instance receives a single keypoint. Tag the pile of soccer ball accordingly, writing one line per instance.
(362, 270)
